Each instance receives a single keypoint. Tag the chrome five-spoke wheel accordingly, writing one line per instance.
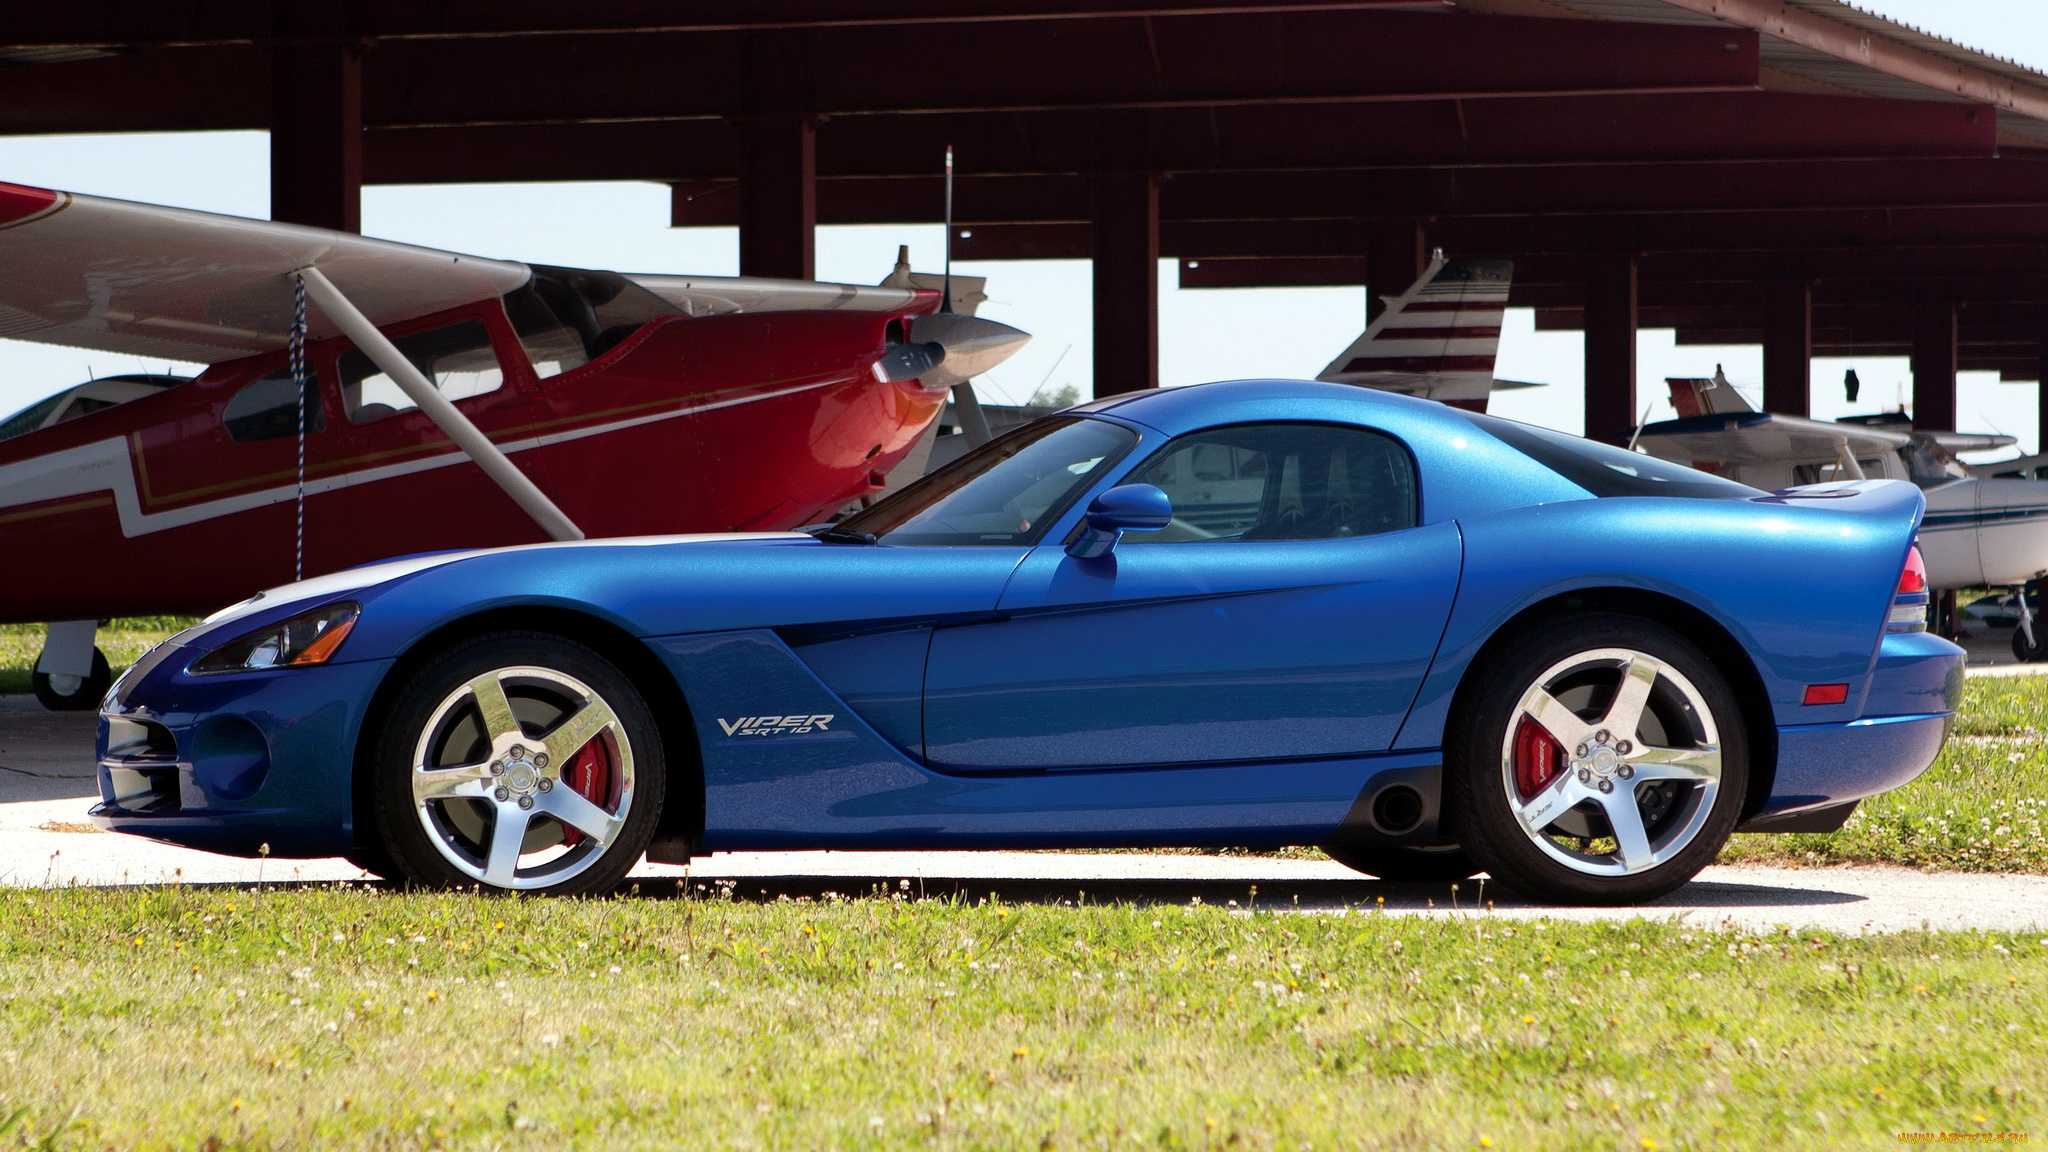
(525, 769)
(1600, 760)
(1612, 762)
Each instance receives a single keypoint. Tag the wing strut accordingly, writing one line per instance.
(384, 354)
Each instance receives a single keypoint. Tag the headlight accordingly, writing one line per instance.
(306, 639)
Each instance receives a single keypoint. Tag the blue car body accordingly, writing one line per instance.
(1254, 693)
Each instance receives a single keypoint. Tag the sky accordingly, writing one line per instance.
(1206, 334)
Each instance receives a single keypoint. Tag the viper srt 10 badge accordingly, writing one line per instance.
(775, 725)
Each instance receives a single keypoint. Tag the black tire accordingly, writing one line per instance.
(2030, 653)
(1683, 761)
(85, 698)
(1433, 864)
(443, 786)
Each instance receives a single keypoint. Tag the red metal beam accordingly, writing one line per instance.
(1610, 325)
(1287, 58)
(1125, 270)
(1273, 272)
(147, 92)
(149, 23)
(1788, 344)
(316, 119)
(1735, 128)
(1312, 57)
(1846, 42)
(1904, 228)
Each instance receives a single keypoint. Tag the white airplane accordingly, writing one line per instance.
(1986, 525)
(1438, 339)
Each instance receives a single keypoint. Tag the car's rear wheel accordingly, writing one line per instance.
(1599, 759)
(1432, 863)
(520, 762)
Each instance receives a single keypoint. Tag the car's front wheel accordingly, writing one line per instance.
(1599, 759)
(519, 762)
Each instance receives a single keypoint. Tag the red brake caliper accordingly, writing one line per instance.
(590, 774)
(1539, 758)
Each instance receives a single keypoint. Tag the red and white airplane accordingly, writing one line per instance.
(451, 401)
(1438, 340)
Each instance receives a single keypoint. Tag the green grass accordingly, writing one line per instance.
(349, 1018)
(124, 641)
(1982, 807)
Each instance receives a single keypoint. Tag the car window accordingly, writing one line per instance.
(1005, 492)
(1605, 470)
(267, 408)
(457, 357)
(1281, 482)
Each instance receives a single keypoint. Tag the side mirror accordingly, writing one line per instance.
(1126, 508)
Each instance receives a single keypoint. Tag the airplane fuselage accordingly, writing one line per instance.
(186, 500)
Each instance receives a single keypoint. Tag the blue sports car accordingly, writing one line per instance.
(1255, 613)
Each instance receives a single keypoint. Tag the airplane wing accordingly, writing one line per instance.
(176, 284)
(1755, 437)
(1438, 340)
(1954, 442)
(717, 295)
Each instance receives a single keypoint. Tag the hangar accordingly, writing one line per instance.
(1795, 173)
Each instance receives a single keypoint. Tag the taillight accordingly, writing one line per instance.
(1909, 603)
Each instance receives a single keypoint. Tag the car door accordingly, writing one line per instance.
(1288, 611)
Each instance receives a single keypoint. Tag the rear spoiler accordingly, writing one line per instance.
(1874, 498)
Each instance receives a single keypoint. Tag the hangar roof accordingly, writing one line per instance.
(1727, 141)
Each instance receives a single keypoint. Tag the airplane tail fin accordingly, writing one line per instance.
(1438, 339)
(1706, 396)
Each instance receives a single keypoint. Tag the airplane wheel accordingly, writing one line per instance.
(2035, 652)
(1434, 863)
(83, 695)
(1599, 759)
(519, 762)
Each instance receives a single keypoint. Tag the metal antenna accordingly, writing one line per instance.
(946, 301)
(297, 359)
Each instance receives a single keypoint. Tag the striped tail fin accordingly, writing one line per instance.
(1438, 340)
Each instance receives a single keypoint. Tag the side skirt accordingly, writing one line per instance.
(788, 766)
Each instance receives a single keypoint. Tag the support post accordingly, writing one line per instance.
(1126, 282)
(1395, 254)
(1934, 365)
(445, 415)
(1788, 346)
(778, 196)
(2041, 392)
(1610, 346)
(316, 117)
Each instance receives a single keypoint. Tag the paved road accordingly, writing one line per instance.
(46, 784)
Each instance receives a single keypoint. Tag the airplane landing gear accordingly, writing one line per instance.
(72, 674)
(1942, 609)
(2029, 644)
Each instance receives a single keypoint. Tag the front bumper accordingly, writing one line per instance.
(244, 764)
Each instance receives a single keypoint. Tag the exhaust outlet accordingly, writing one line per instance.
(1397, 808)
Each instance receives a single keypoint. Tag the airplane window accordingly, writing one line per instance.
(457, 357)
(268, 409)
(567, 317)
(1281, 482)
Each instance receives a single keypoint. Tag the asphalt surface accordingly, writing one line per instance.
(47, 784)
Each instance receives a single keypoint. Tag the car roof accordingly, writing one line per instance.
(1178, 409)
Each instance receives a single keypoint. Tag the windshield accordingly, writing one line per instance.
(1603, 469)
(1005, 492)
